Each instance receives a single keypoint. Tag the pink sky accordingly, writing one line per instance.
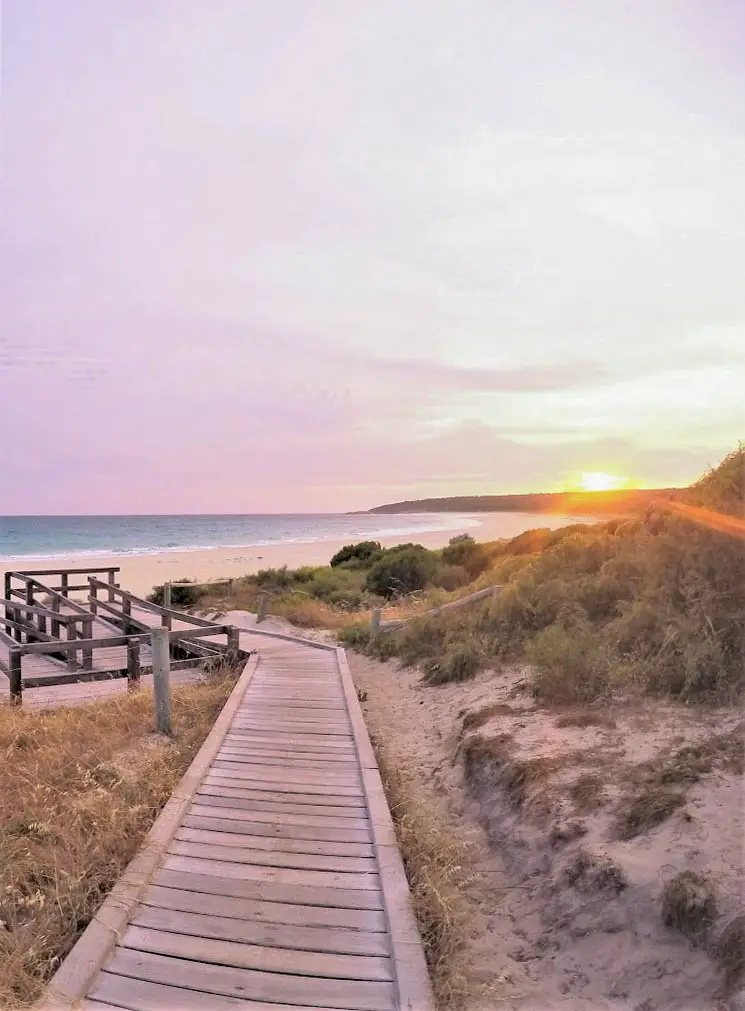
(319, 254)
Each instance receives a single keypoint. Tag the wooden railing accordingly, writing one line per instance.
(452, 605)
(65, 587)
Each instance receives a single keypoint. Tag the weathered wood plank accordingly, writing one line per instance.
(287, 773)
(270, 845)
(208, 949)
(263, 911)
(273, 858)
(271, 987)
(276, 785)
(334, 940)
(267, 800)
(239, 886)
(363, 881)
(217, 820)
(142, 995)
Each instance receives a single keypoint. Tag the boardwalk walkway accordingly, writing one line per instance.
(272, 880)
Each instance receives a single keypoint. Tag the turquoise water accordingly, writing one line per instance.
(58, 536)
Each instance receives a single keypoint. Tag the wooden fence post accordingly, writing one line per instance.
(16, 682)
(64, 584)
(87, 654)
(161, 679)
(263, 607)
(167, 595)
(133, 664)
(126, 613)
(72, 656)
(234, 641)
(8, 613)
(112, 584)
(93, 595)
(375, 623)
(55, 628)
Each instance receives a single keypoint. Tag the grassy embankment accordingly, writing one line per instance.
(79, 790)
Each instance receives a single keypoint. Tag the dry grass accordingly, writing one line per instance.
(729, 950)
(586, 793)
(689, 905)
(586, 718)
(645, 810)
(79, 790)
(434, 858)
(592, 872)
(478, 717)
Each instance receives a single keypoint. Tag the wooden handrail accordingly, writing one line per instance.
(43, 588)
(73, 645)
(148, 605)
(44, 612)
(68, 572)
(451, 605)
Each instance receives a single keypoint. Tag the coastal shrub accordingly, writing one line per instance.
(358, 555)
(400, 571)
(181, 596)
(464, 552)
(653, 604)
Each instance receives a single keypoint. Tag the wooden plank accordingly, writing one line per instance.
(365, 881)
(289, 729)
(278, 752)
(267, 800)
(205, 948)
(145, 996)
(262, 911)
(338, 940)
(273, 858)
(292, 773)
(413, 985)
(269, 844)
(74, 975)
(318, 762)
(240, 886)
(292, 742)
(276, 786)
(217, 821)
(250, 984)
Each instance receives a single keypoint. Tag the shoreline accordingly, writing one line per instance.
(141, 572)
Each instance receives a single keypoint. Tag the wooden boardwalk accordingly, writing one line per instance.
(272, 879)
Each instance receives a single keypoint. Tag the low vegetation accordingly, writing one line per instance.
(79, 790)
(650, 604)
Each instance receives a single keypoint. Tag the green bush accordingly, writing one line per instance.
(400, 571)
(362, 554)
(463, 551)
(181, 596)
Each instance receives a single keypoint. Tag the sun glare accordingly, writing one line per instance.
(598, 480)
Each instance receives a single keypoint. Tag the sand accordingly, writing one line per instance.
(139, 573)
(536, 941)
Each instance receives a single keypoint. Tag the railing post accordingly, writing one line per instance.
(93, 594)
(64, 584)
(29, 617)
(72, 659)
(234, 642)
(126, 613)
(165, 620)
(112, 583)
(167, 596)
(161, 679)
(263, 607)
(55, 627)
(375, 623)
(87, 653)
(16, 680)
(133, 664)
(7, 596)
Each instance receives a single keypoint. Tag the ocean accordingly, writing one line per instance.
(91, 536)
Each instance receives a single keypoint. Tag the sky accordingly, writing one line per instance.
(315, 255)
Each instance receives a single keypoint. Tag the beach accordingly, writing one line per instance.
(139, 573)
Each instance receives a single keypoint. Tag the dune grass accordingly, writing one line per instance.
(651, 604)
(79, 790)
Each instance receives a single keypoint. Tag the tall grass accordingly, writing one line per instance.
(655, 603)
(79, 790)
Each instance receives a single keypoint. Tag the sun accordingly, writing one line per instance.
(598, 480)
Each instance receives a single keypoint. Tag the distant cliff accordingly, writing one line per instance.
(586, 503)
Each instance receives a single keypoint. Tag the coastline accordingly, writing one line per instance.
(141, 572)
